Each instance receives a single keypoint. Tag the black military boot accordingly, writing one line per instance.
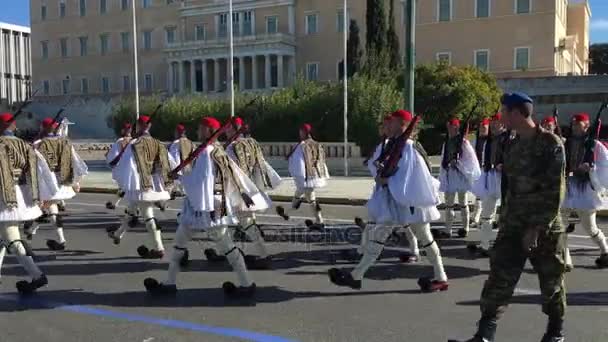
(341, 277)
(154, 288)
(602, 261)
(555, 330)
(486, 330)
(27, 288)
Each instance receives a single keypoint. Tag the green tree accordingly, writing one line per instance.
(375, 36)
(598, 54)
(354, 52)
(392, 39)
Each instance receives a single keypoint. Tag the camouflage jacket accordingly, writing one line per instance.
(534, 184)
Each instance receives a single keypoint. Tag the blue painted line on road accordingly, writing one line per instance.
(169, 323)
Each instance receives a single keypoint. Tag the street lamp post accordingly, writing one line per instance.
(410, 54)
(230, 63)
(135, 60)
(345, 71)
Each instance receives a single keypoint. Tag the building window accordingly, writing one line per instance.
(104, 44)
(124, 41)
(126, 83)
(522, 6)
(84, 49)
(147, 40)
(44, 50)
(46, 87)
(482, 8)
(223, 25)
(145, 3)
(236, 17)
(124, 5)
(482, 60)
(43, 12)
(200, 32)
(62, 9)
(444, 10)
(65, 86)
(311, 24)
(312, 71)
(105, 85)
(84, 86)
(444, 57)
(148, 83)
(247, 23)
(170, 33)
(63, 43)
(169, 2)
(83, 8)
(522, 58)
(103, 6)
(272, 24)
(340, 21)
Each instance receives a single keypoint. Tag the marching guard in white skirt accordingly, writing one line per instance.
(113, 157)
(21, 173)
(487, 187)
(407, 197)
(478, 144)
(67, 170)
(309, 171)
(143, 174)
(247, 153)
(216, 190)
(179, 150)
(459, 169)
(586, 181)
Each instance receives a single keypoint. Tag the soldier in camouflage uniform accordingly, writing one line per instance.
(530, 226)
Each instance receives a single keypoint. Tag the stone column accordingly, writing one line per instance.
(204, 71)
(216, 75)
(170, 78)
(242, 73)
(267, 75)
(254, 72)
(193, 75)
(279, 71)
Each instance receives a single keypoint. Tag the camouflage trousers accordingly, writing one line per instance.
(507, 263)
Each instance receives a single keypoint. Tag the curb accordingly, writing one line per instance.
(278, 198)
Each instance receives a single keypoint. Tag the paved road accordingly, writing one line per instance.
(96, 292)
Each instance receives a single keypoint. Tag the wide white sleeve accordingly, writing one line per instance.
(199, 183)
(114, 151)
(47, 186)
(230, 152)
(275, 179)
(371, 166)
(599, 172)
(174, 155)
(79, 166)
(126, 174)
(413, 185)
(297, 167)
(260, 201)
(468, 164)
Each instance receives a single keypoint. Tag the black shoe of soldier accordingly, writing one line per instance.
(27, 288)
(184, 261)
(427, 285)
(212, 256)
(602, 261)
(474, 339)
(110, 206)
(314, 227)
(232, 291)
(256, 263)
(146, 253)
(281, 212)
(462, 233)
(342, 278)
(115, 239)
(359, 222)
(55, 246)
(61, 207)
(154, 288)
(441, 234)
(408, 258)
(547, 338)
(571, 227)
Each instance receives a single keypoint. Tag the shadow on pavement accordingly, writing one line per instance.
(574, 299)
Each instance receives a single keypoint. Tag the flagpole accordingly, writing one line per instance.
(231, 60)
(345, 72)
(135, 61)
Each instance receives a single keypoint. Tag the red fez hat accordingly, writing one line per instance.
(402, 114)
(210, 122)
(144, 119)
(485, 122)
(236, 121)
(548, 119)
(581, 117)
(49, 123)
(180, 128)
(306, 128)
(497, 117)
(454, 122)
(6, 118)
(127, 125)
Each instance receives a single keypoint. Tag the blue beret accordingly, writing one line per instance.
(516, 98)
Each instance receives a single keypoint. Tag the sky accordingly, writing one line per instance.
(17, 12)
